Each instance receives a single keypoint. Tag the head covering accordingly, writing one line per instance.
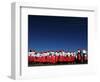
(79, 50)
(84, 51)
(68, 53)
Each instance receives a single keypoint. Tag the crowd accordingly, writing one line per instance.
(58, 57)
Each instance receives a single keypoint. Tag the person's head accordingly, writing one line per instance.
(71, 53)
(84, 51)
(65, 53)
(45, 53)
(74, 53)
(68, 53)
(30, 50)
(85, 55)
(79, 51)
(41, 53)
(33, 52)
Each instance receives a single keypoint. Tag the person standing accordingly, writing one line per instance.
(85, 57)
(79, 56)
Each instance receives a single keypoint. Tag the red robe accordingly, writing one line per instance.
(61, 58)
(50, 59)
(29, 59)
(67, 59)
(79, 57)
(72, 59)
(56, 58)
(47, 59)
(53, 59)
(43, 59)
(64, 58)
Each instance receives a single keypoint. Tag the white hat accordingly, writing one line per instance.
(38, 54)
(72, 53)
(57, 54)
(68, 53)
(65, 53)
(79, 50)
(84, 51)
(31, 54)
(47, 53)
(52, 52)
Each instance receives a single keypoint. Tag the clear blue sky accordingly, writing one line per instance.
(57, 33)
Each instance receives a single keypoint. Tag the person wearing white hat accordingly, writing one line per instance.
(35, 58)
(60, 57)
(39, 57)
(84, 57)
(72, 58)
(75, 57)
(64, 57)
(79, 56)
(53, 61)
(44, 58)
(56, 56)
(68, 53)
(69, 57)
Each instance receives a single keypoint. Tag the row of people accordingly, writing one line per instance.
(56, 57)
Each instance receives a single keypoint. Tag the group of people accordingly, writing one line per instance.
(57, 57)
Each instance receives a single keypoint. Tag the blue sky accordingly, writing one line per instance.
(57, 33)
